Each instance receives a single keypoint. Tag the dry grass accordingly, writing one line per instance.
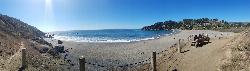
(233, 29)
(10, 56)
(239, 56)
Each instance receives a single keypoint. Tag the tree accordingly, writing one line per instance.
(222, 21)
(248, 24)
(188, 21)
(205, 20)
(226, 25)
(215, 20)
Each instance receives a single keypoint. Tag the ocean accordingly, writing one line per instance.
(110, 35)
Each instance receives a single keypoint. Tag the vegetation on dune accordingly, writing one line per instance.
(238, 55)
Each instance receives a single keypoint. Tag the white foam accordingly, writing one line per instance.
(103, 39)
(83, 39)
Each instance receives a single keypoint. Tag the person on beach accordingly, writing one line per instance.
(65, 56)
(195, 37)
(200, 36)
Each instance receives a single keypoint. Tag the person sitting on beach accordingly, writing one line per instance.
(195, 37)
(200, 36)
(65, 57)
(50, 36)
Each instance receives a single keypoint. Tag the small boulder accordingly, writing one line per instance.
(53, 52)
(56, 50)
(60, 42)
(41, 41)
(60, 48)
(43, 49)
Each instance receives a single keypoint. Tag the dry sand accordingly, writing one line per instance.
(113, 55)
(206, 58)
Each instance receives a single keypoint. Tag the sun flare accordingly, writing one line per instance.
(47, 1)
(48, 9)
(49, 13)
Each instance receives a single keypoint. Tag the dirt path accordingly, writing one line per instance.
(204, 58)
(18, 53)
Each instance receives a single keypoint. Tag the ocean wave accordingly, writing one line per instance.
(84, 39)
(111, 35)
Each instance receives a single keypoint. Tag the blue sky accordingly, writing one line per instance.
(60, 15)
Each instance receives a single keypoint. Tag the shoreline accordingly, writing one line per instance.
(73, 39)
(115, 54)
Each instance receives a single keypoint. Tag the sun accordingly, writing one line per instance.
(47, 1)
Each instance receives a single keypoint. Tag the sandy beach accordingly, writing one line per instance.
(124, 35)
(121, 54)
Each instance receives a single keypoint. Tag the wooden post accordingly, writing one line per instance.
(82, 64)
(24, 64)
(179, 46)
(153, 61)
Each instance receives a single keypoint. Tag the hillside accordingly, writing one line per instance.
(196, 24)
(17, 28)
(14, 35)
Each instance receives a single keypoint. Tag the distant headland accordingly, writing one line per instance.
(195, 24)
